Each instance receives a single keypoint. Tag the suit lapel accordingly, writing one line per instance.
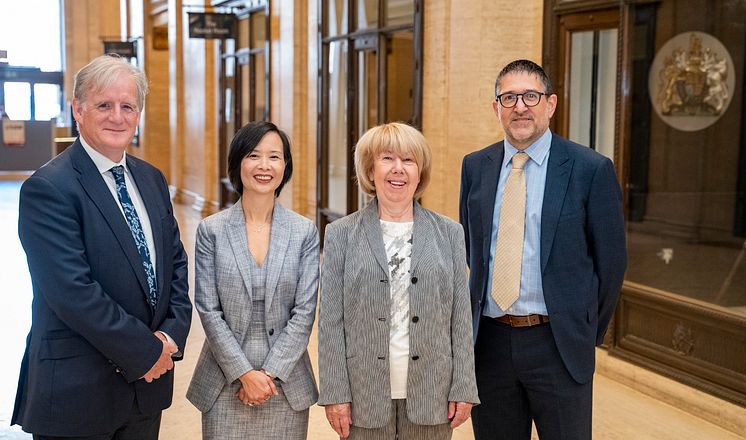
(558, 177)
(372, 228)
(236, 232)
(93, 184)
(422, 233)
(490, 173)
(278, 243)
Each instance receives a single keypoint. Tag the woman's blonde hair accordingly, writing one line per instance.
(395, 137)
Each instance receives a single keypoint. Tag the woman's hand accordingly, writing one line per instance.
(340, 417)
(256, 388)
(458, 412)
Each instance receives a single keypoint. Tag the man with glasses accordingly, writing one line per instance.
(546, 249)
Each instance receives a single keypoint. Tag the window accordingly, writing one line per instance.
(686, 212)
(31, 81)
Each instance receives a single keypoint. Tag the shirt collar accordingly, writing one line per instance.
(537, 151)
(103, 163)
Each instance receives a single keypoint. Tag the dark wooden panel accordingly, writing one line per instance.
(692, 341)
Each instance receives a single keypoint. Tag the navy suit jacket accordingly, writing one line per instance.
(583, 250)
(91, 337)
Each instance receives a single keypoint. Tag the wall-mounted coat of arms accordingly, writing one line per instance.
(691, 81)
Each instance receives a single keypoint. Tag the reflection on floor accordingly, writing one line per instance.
(620, 413)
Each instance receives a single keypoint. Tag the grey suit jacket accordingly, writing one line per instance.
(223, 300)
(354, 319)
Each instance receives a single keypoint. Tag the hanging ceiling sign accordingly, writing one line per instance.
(212, 25)
(125, 49)
(691, 81)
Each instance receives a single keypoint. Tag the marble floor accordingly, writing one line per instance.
(620, 412)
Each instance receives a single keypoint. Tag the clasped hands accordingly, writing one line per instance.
(164, 362)
(340, 416)
(256, 387)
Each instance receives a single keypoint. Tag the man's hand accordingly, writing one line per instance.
(256, 388)
(458, 412)
(340, 417)
(164, 362)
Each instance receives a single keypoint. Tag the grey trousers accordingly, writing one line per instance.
(400, 428)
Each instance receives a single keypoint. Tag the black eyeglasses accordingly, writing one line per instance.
(530, 98)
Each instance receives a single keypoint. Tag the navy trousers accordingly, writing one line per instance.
(521, 378)
(139, 427)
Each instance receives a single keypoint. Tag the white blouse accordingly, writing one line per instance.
(397, 238)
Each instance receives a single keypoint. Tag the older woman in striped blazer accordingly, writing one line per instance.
(395, 339)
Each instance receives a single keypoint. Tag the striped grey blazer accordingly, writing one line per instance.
(223, 300)
(354, 319)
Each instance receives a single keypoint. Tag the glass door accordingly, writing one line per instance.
(370, 74)
(244, 85)
(588, 82)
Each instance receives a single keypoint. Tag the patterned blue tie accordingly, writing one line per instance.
(136, 228)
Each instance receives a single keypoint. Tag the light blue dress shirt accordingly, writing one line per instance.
(531, 295)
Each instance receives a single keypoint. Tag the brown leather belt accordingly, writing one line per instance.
(523, 321)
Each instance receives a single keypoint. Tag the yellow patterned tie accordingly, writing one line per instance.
(506, 269)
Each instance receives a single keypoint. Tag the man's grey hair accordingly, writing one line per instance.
(101, 73)
(524, 66)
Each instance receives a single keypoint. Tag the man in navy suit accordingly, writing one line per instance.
(111, 308)
(535, 353)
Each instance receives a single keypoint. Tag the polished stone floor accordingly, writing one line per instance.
(620, 412)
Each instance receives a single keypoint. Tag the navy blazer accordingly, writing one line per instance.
(91, 337)
(583, 251)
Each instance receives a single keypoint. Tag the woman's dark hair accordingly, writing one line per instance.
(245, 141)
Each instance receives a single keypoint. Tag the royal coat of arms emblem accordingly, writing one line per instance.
(691, 85)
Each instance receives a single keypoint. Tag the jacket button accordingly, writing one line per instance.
(382, 319)
(414, 358)
(380, 358)
(271, 331)
(414, 280)
(415, 318)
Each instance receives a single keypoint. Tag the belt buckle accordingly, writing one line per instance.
(518, 321)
